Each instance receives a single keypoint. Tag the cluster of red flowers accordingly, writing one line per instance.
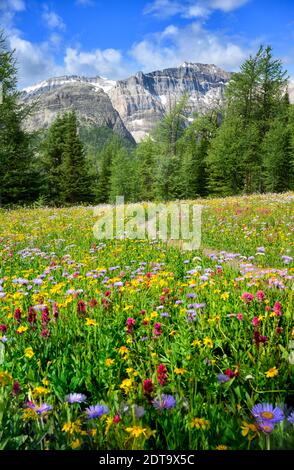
(148, 386)
(162, 374)
(157, 331)
(130, 325)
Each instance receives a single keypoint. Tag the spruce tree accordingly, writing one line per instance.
(17, 184)
(52, 151)
(102, 191)
(75, 183)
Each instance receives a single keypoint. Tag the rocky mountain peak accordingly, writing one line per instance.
(137, 102)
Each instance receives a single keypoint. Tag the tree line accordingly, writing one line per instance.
(244, 145)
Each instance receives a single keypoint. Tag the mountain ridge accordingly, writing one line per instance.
(140, 100)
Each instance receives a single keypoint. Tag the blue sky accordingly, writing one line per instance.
(115, 38)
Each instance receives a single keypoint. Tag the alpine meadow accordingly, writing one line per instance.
(146, 228)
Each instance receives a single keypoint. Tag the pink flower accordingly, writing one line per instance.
(157, 329)
(45, 316)
(130, 324)
(81, 307)
(260, 295)
(255, 321)
(148, 386)
(116, 419)
(162, 374)
(247, 297)
(17, 315)
(278, 309)
(240, 316)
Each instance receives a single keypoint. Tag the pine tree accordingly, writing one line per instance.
(278, 153)
(52, 151)
(145, 154)
(75, 183)
(196, 143)
(102, 191)
(255, 99)
(123, 175)
(17, 183)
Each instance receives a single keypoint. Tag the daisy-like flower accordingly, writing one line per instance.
(266, 413)
(272, 372)
(75, 398)
(44, 408)
(97, 411)
(165, 402)
(266, 426)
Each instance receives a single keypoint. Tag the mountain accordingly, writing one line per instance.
(129, 107)
(91, 103)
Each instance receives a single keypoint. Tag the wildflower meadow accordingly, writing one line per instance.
(135, 344)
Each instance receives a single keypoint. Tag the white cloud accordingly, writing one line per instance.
(14, 5)
(193, 43)
(52, 19)
(34, 63)
(191, 8)
(107, 62)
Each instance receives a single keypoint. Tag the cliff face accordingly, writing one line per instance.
(142, 99)
(91, 104)
(130, 107)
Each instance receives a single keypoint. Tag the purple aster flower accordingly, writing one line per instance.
(265, 412)
(287, 259)
(97, 411)
(266, 426)
(165, 314)
(165, 402)
(44, 408)
(260, 249)
(222, 378)
(75, 398)
(178, 302)
(3, 339)
(191, 295)
(291, 418)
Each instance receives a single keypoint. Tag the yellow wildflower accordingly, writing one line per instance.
(173, 333)
(72, 427)
(154, 314)
(5, 378)
(76, 444)
(123, 350)
(109, 362)
(222, 447)
(126, 385)
(21, 329)
(137, 431)
(29, 414)
(225, 296)
(40, 391)
(200, 423)
(249, 430)
(208, 342)
(272, 372)
(109, 422)
(197, 342)
(131, 372)
(90, 322)
(28, 352)
(180, 371)
(45, 382)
